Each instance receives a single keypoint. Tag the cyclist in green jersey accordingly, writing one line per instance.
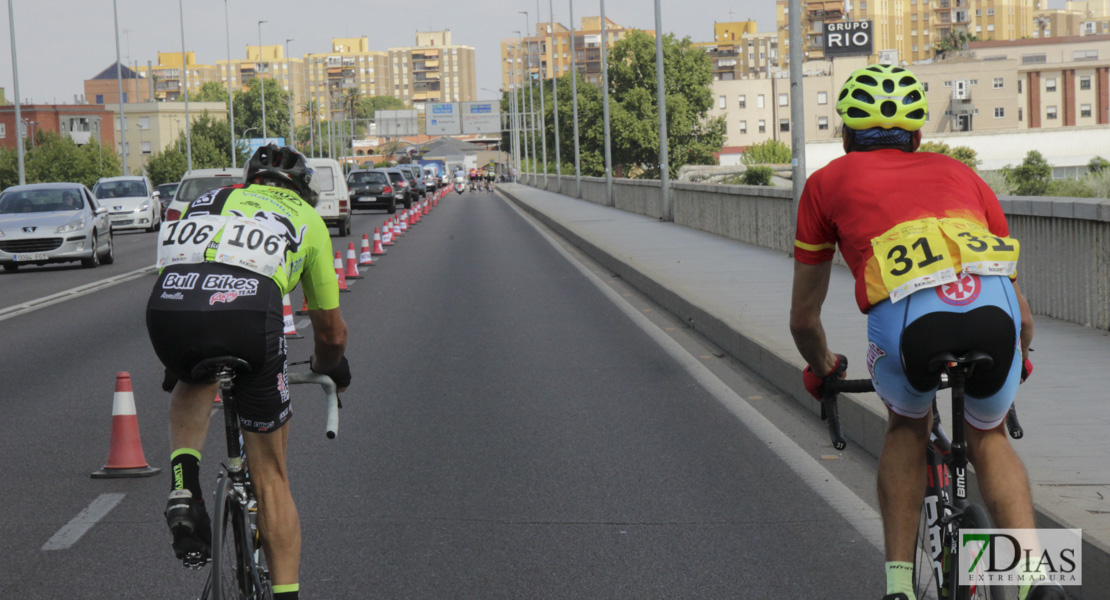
(224, 269)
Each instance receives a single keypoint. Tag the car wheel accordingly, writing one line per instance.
(392, 207)
(109, 257)
(153, 223)
(93, 260)
(10, 267)
(408, 203)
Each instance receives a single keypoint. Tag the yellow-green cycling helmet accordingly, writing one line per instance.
(882, 96)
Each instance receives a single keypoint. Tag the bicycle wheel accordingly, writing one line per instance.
(232, 576)
(930, 553)
(976, 517)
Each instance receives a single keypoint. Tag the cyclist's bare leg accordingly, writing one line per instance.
(190, 413)
(277, 514)
(1002, 478)
(902, 483)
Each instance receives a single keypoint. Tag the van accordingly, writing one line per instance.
(195, 183)
(334, 205)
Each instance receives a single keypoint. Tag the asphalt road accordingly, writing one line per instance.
(510, 433)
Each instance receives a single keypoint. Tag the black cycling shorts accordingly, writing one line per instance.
(207, 310)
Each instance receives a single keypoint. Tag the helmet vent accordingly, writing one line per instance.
(907, 81)
(911, 97)
(916, 114)
(863, 96)
(888, 108)
(867, 80)
(857, 113)
(874, 69)
(843, 94)
(896, 70)
(888, 86)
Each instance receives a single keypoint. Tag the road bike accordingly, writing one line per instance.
(946, 508)
(238, 571)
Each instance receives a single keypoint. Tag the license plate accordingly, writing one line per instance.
(29, 257)
(122, 221)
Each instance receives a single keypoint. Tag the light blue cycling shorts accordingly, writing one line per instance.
(958, 332)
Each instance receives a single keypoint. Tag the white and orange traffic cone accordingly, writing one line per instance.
(387, 232)
(405, 216)
(397, 231)
(352, 263)
(365, 257)
(378, 250)
(339, 274)
(287, 319)
(303, 310)
(427, 208)
(125, 450)
(414, 217)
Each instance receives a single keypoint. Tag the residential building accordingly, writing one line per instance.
(267, 61)
(738, 51)
(350, 65)
(148, 127)
(83, 123)
(434, 70)
(547, 53)
(169, 79)
(103, 87)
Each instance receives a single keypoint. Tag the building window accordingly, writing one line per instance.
(1085, 55)
(144, 122)
(100, 98)
(1050, 84)
(743, 101)
(1019, 86)
(822, 123)
(822, 97)
(743, 127)
(759, 101)
(999, 112)
(721, 102)
(784, 125)
(990, 27)
(784, 99)
(146, 147)
(1050, 112)
(1085, 110)
(998, 83)
(1021, 114)
(3, 130)
(1085, 82)
(925, 84)
(762, 126)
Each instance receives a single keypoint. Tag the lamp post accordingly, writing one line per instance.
(261, 80)
(605, 109)
(289, 78)
(555, 95)
(543, 111)
(230, 103)
(531, 97)
(15, 83)
(574, 105)
(185, 71)
(247, 136)
(119, 85)
(661, 91)
(518, 102)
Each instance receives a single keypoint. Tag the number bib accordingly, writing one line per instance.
(982, 253)
(250, 244)
(184, 242)
(913, 256)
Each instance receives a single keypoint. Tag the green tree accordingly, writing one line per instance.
(248, 109)
(1097, 165)
(212, 91)
(1032, 177)
(368, 105)
(55, 158)
(757, 175)
(211, 145)
(767, 152)
(961, 153)
(954, 41)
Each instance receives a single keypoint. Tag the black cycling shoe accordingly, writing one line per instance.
(898, 596)
(1047, 591)
(191, 528)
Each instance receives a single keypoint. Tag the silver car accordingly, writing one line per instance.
(132, 201)
(53, 222)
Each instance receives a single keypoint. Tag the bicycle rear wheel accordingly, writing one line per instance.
(234, 574)
(976, 517)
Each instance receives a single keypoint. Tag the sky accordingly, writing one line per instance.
(60, 43)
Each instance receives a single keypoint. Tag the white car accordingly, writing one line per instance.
(196, 182)
(131, 201)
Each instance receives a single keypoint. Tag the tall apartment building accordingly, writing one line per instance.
(912, 28)
(350, 65)
(549, 51)
(169, 78)
(1080, 17)
(434, 70)
(103, 87)
(270, 62)
(738, 51)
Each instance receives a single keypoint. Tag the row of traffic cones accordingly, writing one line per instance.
(125, 449)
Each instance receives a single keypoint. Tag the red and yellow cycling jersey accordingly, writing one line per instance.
(927, 213)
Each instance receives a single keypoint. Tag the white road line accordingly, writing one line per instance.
(96, 286)
(83, 522)
(857, 512)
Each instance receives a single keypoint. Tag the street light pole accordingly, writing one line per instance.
(15, 83)
(543, 111)
(555, 95)
(518, 102)
(261, 81)
(289, 78)
(605, 109)
(661, 91)
(531, 99)
(185, 71)
(574, 105)
(230, 102)
(797, 100)
(119, 85)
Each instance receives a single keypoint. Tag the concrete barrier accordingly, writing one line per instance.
(1064, 269)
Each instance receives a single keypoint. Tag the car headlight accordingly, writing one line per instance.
(143, 207)
(77, 225)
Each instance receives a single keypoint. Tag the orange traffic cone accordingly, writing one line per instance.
(427, 208)
(303, 310)
(125, 451)
(352, 263)
(397, 231)
(405, 216)
(339, 274)
(414, 218)
(217, 400)
(378, 250)
(287, 319)
(365, 257)
(387, 236)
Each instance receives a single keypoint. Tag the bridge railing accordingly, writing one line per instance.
(1064, 269)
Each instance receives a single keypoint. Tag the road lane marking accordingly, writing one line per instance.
(853, 509)
(83, 522)
(33, 305)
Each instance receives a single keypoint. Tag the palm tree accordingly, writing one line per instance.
(311, 109)
(351, 100)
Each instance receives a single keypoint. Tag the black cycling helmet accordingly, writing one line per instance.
(286, 165)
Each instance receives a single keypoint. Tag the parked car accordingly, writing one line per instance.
(334, 205)
(431, 176)
(131, 201)
(373, 189)
(195, 183)
(399, 179)
(165, 195)
(418, 178)
(415, 183)
(45, 223)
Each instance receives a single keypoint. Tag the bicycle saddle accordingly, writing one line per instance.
(974, 358)
(209, 368)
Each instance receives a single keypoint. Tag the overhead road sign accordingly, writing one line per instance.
(394, 123)
(481, 117)
(442, 118)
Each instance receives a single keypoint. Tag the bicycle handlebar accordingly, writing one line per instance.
(329, 391)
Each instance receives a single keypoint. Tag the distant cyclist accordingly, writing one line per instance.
(225, 268)
(927, 243)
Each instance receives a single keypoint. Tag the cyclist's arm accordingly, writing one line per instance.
(329, 332)
(1026, 322)
(811, 284)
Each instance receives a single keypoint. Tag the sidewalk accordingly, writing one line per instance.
(739, 296)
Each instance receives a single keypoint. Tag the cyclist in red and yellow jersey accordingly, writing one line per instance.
(934, 267)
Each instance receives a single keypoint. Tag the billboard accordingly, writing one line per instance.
(481, 117)
(848, 38)
(442, 119)
(393, 123)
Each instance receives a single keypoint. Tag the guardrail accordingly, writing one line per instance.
(1064, 269)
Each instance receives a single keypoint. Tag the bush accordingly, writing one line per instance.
(1070, 188)
(1098, 164)
(1032, 177)
(998, 183)
(769, 152)
(961, 153)
(757, 176)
